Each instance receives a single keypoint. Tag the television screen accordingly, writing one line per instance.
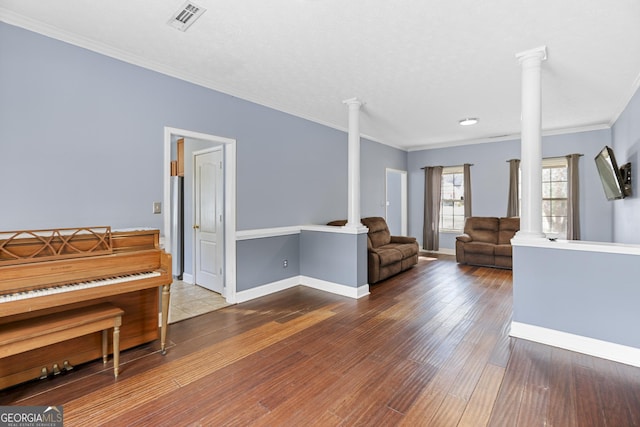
(610, 175)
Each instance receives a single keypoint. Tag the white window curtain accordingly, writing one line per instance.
(573, 197)
(513, 202)
(432, 200)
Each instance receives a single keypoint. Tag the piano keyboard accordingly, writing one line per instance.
(77, 286)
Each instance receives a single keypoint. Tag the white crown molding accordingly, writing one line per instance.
(18, 20)
(510, 137)
(577, 129)
(625, 100)
(21, 21)
(461, 142)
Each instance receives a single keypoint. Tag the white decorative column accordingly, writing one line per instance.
(531, 144)
(353, 214)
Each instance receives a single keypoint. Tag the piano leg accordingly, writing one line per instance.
(166, 292)
(116, 350)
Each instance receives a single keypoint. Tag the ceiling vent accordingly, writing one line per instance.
(186, 15)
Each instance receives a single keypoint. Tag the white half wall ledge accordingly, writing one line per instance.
(578, 343)
(266, 232)
(296, 229)
(580, 245)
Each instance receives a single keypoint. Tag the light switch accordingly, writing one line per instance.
(157, 207)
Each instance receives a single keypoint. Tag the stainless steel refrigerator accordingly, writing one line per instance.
(177, 225)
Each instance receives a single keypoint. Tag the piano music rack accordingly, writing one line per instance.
(17, 247)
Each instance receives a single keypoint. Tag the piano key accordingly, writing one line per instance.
(17, 296)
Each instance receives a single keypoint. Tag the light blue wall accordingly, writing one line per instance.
(490, 180)
(334, 257)
(81, 136)
(626, 146)
(376, 158)
(337, 258)
(81, 139)
(81, 144)
(591, 294)
(260, 261)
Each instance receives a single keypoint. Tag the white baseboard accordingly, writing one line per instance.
(310, 282)
(187, 278)
(335, 288)
(267, 289)
(443, 251)
(592, 347)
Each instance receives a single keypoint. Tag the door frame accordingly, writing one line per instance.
(403, 197)
(229, 173)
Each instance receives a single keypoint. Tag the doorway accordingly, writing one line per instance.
(396, 201)
(227, 150)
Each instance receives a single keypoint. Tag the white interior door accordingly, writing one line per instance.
(208, 221)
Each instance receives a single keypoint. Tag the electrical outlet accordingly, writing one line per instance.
(157, 207)
(285, 264)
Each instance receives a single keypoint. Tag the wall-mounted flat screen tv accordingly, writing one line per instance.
(616, 182)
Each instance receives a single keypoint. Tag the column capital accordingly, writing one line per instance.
(539, 53)
(353, 102)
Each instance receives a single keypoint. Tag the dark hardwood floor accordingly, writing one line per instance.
(427, 347)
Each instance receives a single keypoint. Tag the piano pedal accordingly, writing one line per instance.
(67, 366)
(55, 369)
(44, 373)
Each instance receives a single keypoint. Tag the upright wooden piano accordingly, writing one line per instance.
(49, 271)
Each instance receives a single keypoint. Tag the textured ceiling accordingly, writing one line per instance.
(418, 65)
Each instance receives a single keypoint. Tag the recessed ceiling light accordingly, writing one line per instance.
(469, 121)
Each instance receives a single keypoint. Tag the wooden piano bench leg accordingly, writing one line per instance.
(116, 346)
(28, 334)
(117, 322)
(105, 346)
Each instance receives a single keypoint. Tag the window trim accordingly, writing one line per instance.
(449, 170)
(555, 163)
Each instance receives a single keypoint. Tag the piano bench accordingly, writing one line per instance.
(24, 335)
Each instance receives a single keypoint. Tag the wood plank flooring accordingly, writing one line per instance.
(429, 347)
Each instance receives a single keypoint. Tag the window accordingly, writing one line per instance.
(554, 196)
(452, 204)
(555, 190)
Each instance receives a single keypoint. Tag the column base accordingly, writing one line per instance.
(356, 226)
(527, 236)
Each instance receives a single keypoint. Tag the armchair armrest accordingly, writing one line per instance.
(464, 238)
(402, 239)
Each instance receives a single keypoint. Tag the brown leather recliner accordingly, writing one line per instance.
(487, 241)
